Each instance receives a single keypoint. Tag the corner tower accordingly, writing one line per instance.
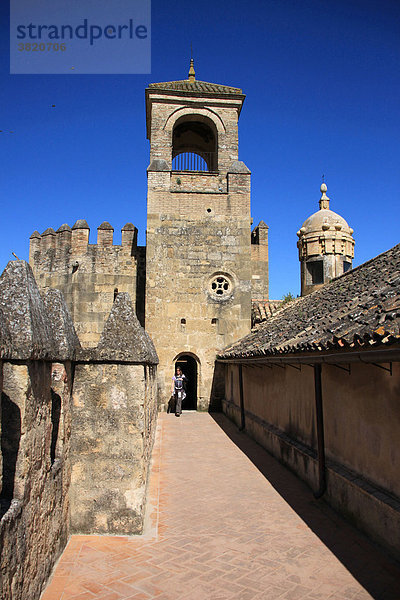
(326, 246)
(198, 262)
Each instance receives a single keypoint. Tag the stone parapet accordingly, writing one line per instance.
(70, 244)
(103, 438)
(114, 408)
(114, 416)
(35, 426)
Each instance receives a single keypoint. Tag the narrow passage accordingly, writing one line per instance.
(225, 521)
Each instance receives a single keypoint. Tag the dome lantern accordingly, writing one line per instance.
(326, 246)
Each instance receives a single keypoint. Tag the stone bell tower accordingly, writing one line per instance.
(326, 246)
(198, 262)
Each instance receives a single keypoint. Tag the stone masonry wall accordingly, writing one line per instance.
(182, 314)
(35, 430)
(114, 414)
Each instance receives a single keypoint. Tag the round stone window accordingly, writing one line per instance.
(220, 287)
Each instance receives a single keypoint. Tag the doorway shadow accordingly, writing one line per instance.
(188, 365)
(369, 564)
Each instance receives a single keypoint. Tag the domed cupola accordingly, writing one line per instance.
(326, 246)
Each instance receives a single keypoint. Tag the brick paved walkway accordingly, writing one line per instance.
(225, 521)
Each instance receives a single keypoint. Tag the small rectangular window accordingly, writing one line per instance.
(346, 266)
(316, 271)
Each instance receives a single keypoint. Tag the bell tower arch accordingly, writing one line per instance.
(194, 144)
(198, 257)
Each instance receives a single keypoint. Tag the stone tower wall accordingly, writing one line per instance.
(198, 228)
(88, 275)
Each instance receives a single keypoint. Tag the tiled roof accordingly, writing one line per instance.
(261, 310)
(358, 309)
(196, 86)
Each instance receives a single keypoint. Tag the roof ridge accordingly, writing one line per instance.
(364, 264)
(357, 309)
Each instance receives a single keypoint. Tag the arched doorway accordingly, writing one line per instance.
(188, 364)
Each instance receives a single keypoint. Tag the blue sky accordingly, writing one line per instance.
(322, 79)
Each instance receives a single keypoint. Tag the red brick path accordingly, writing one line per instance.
(226, 521)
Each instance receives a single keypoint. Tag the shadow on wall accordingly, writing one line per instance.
(217, 388)
(55, 421)
(373, 568)
(10, 438)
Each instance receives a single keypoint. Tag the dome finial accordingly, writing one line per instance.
(324, 200)
(192, 73)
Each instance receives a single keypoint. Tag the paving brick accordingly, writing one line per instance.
(224, 532)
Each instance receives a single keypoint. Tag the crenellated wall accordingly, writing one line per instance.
(89, 275)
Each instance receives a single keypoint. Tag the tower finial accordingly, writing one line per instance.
(324, 200)
(192, 73)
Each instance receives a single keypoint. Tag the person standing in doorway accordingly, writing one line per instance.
(178, 390)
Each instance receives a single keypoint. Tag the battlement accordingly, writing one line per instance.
(89, 275)
(67, 241)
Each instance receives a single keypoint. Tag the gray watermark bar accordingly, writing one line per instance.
(80, 37)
